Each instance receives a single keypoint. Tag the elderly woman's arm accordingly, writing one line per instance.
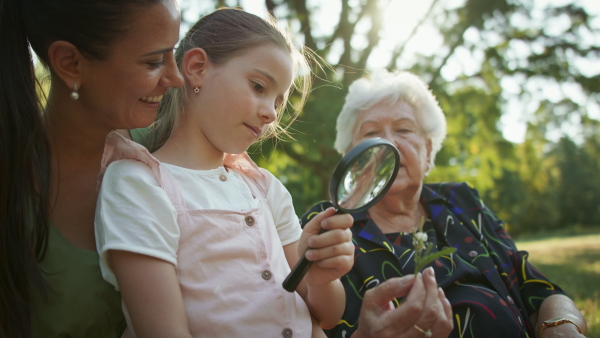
(556, 307)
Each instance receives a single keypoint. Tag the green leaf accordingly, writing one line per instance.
(432, 257)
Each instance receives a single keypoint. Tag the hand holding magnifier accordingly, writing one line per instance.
(359, 181)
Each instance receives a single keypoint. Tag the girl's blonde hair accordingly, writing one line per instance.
(224, 34)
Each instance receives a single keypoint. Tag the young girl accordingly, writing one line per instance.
(196, 236)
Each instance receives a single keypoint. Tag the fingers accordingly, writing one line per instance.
(328, 220)
(330, 238)
(332, 251)
(389, 290)
(412, 308)
(335, 242)
(424, 312)
(449, 322)
(435, 306)
(314, 226)
(437, 313)
(378, 319)
(336, 221)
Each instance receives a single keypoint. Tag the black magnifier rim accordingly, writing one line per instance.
(349, 159)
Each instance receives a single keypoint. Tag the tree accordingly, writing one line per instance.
(518, 55)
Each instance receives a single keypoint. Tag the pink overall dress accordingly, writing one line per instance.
(230, 264)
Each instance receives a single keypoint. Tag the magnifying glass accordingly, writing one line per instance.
(359, 181)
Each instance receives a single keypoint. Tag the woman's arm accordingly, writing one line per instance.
(151, 293)
(559, 306)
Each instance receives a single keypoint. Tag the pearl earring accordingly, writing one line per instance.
(196, 90)
(74, 93)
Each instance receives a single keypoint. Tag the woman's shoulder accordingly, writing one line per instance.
(447, 189)
(460, 194)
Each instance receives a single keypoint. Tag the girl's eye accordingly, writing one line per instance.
(258, 87)
(154, 65)
(371, 133)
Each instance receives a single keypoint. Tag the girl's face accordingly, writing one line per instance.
(124, 91)
(238, 99)
(397, 123)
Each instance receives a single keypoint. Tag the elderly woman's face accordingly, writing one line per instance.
(398, 124)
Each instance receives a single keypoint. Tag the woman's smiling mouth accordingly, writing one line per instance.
(152, 99)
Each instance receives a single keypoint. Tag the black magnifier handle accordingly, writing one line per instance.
(300, 269)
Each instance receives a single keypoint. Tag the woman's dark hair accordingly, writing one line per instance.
(225, 34)
(25, 161)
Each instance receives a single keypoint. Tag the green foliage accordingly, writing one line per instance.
(550, 180)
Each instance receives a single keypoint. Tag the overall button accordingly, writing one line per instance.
(287, 333)
(510, 300)
(266, 275)
(249, 221)
(223, 178)
(473, 253)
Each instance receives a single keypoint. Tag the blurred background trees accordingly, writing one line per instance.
(518, 81)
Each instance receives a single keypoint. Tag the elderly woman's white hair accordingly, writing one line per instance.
(402, 86)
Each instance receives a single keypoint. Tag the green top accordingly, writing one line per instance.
(80, 303)
(140, 135)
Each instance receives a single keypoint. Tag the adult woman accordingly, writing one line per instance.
(110, 62)
(493, 290)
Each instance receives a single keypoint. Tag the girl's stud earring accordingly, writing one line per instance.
(74, 93)
(196, 90)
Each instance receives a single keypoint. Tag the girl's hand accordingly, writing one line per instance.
(330, 241)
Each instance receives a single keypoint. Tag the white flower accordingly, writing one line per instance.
(421, 237)
(419, 240)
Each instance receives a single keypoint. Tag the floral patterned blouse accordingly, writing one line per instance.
(492, 287)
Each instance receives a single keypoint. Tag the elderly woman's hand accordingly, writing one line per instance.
(425, 312)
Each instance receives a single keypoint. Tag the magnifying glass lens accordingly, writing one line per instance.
(359, 181)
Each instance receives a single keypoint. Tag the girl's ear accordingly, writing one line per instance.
(195, 63)
(66, 61)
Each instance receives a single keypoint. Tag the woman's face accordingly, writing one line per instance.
(398, 124)
(124, 90)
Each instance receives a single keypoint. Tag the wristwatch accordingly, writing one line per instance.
(556, 322)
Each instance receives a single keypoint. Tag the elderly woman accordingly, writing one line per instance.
(492, 289)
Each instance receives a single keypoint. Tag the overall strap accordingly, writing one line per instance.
(256, 180)
(118, 147)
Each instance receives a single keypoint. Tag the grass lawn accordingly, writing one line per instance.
(574, 264)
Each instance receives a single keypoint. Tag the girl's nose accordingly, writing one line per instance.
(268, 114)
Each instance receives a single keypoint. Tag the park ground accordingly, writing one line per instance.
(573, 262)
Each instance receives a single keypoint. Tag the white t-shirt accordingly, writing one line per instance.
(135, 214)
